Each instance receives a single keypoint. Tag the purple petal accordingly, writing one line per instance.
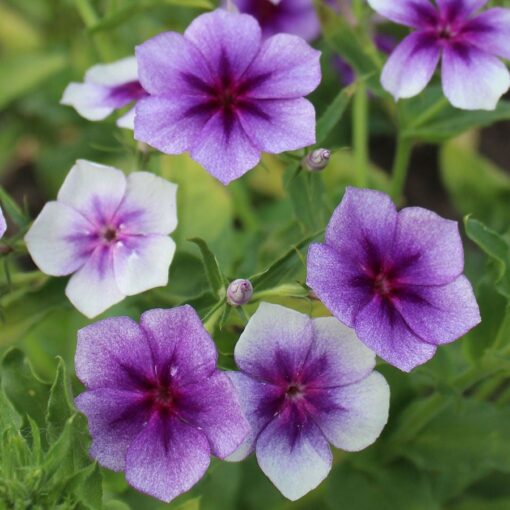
(413, 13)
(277, 126)
(168, 62)
(115, 419)
(490, 32)
(93, 288)
(228, 41)
(473, 79)
(212, 406)
(182, 348)
(275, 343)
(428, 249)
(141, 263)
(3, 224)
(167, 458)
(57, 240)
(355, 414)
(295, 456)
(440, 314)
(411, 65)
(454, 10)
(224, 149)
(381, 328)
(113, 353)
(334, 281)
(285, 68)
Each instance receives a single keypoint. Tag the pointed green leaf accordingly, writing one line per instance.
(9, 418)
(212, 268)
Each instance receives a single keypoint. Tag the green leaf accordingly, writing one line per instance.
(212, 268)
(90, 486)
(190, 504)
(115, 504)
(483, 504)
(9, 418)
(13, 210)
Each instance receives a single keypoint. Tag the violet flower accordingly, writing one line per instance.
(395, 277)
(304, 384)
(225, 96)
(110, 231)
(157, 406)
(107, 87)
(3, 224)
(296, 17)
(470, 45)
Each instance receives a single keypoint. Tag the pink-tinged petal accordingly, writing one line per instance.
(295, 456)
(490, 32)
(167, 458)
(94, 190)
(224, 149)
(165, 62)
(381, 328)
(91, 101)
(113, 353)
(212, 406)
(115, 418)
(3, 224)
(93, 288)
(115, 73)
(259, 401)
(356, 414)
(182, 347)
(337, 356)
(472, 78)
(286, 67)
(169, 125)
(440, 314)
(149, 206)
(275, 342)
(277, 126)
(428, 249)
(411, 65)
(141, 263)
(413, 13)
(335, 281)
(228, 41)
(457, 10)
(127, 121)
(57, 240)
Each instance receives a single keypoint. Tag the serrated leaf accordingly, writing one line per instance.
(212, 268)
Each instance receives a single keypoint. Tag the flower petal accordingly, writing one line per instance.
(440, 314)
(93, 288)
(454, 10)
(473, 79)
(57, 240)
(411, 65)
(286, 68)
(381, 328)
(94, 190)
(113, 353)
(277, 126)
(115, 73)
(413, 13)
(127, 121)
(141, 263)
(275, 341)
(167, 458)
(3, 224)
(428, 249)
(355, 414)
(115, 418)
(295, 458)
(91, 101)
(183, 349)
(212, 406)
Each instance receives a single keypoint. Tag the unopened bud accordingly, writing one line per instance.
(317, 160)
(239, 292)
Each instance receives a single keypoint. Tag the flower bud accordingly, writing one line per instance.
(239, 292)
(317, 160)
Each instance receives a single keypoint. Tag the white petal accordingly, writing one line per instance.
(115, 73)
(88, 99)
(3, 224)
(127, 121)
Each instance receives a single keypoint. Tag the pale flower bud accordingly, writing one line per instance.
(239, 292)
(317, 160)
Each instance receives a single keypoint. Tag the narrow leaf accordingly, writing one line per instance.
(212, 268)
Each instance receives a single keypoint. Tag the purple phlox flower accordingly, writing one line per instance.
(305, 384)
(107, 87)
(296, 17)
(469, 43)
(395, 277)
(110, 230)
(3, 224)
(225, 96)
(157, 406)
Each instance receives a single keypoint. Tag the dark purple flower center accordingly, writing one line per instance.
(383, 285)
(163, 398)
(109, 234)
(295, 391)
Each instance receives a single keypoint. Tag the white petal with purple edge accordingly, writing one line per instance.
(57, 240)
(93, 288)
(411, 66)
(142, 263)
(359, 414)
(115, 73)
(473, 79)
(88, 99)
(3, 224)
(413, 13)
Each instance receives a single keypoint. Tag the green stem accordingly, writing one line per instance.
(430, 113)
(400, 167)
(360, 134)
(357, 9)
